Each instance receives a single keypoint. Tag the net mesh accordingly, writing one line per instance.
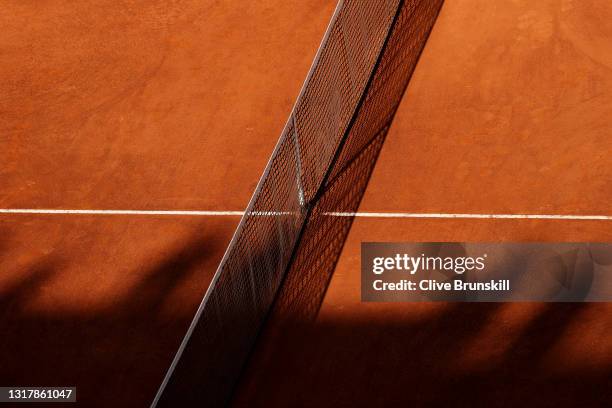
(292, 233)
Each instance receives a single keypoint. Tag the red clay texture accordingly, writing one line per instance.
(508, 112)
(130, 105)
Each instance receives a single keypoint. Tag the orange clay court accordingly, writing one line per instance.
(175, 108)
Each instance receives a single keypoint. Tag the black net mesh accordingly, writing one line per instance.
(286, 247)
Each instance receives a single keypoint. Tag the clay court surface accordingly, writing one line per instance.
(130, 105)
(167, 106)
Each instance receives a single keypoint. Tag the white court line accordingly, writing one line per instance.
(118, 212)
(473, 216)
(333, 214)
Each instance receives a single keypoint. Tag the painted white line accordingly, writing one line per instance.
(472, 216)
(119, 212)
(333, 214)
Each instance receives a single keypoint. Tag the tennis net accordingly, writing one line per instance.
(285, 248)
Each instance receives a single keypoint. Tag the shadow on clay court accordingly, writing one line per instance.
(462, 352)
(461, 356)
(123, 349)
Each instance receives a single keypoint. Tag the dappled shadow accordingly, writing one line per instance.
(116, 355)
(381, 359)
